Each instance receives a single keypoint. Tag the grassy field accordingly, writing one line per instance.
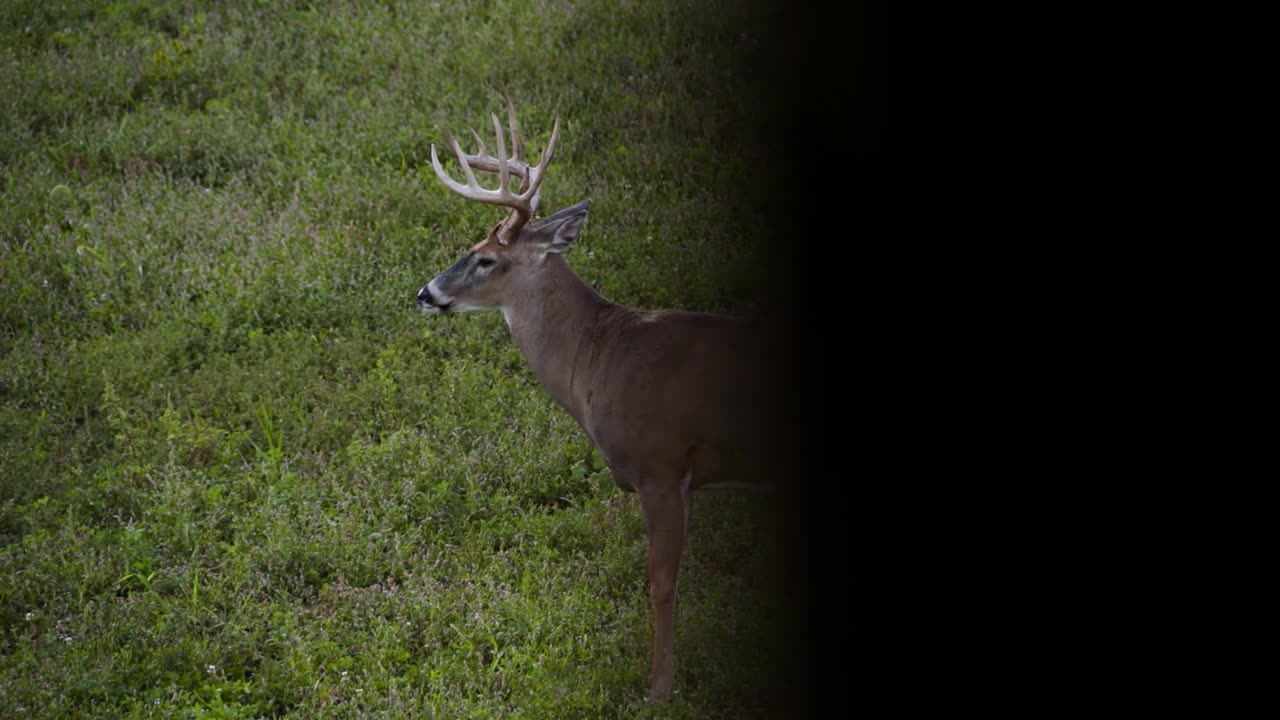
(240, 475)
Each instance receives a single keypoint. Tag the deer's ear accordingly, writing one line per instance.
(556, 233)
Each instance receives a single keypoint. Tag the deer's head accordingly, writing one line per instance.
(497, 268)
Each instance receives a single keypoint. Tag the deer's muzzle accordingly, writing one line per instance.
(429, 302)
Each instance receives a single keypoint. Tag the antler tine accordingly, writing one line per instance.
(483, 151)
(536, 174)
(462, 160)
(443, 176)
(551, 144)
(504, 179)
(517, 147)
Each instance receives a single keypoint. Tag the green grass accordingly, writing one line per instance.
(240, 475)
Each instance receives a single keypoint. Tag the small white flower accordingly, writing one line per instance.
(31, 616)
(344, 673)
(211, 669)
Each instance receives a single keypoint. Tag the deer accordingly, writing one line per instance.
(674, 400)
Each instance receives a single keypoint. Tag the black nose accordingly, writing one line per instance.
(424, 296)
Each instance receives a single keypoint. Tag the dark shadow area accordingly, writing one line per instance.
(822, 104)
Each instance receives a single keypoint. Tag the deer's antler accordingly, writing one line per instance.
(523, 202)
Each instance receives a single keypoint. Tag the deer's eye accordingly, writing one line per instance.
(485, 262)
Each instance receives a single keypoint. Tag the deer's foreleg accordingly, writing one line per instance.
(665, 511)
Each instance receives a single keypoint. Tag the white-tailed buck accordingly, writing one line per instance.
(674, 400)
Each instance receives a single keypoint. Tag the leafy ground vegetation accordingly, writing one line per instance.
(240, 475)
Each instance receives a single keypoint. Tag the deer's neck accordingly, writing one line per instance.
(551, 319)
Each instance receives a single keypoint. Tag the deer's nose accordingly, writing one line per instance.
(424, 296)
